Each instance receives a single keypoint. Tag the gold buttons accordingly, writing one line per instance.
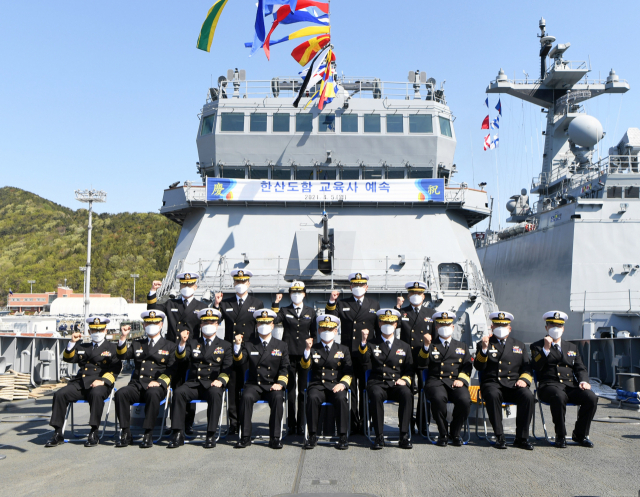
(499, 362)
(84, 375)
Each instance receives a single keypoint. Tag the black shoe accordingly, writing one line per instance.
(501, 443)
(443, 441)
(92, 440)
(457, 442)
(378, 444)
(242, 443)
(275, 443)
(55, 440)
(147, 441)
(311, 442)
(343, 443)
(210, 442)
(560, 443)
(125, 439)
(233, 430)
(582, 441)
(405, 441)
(177, 440)
(189, 430)
(522, 443)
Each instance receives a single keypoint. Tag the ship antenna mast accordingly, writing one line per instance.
(546, 43)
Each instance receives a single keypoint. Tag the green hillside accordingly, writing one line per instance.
(43, 241)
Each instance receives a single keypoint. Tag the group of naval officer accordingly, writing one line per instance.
(198, 365)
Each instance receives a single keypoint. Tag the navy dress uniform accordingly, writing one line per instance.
(153, 361)
(389, 360)
(503, 364)
(330, 365)
(208, 359)
(356, 314)
(299, 323)
(267, 359)
(447, 360)
(561, 373)
(237, 313)
(97, 360)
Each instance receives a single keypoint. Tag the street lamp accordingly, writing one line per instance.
(89, 197)
(31, 282)
(134, 276)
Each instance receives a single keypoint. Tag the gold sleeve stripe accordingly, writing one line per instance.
(407, 379)
(275, 309)
(284, 379)
(346, 379)
(538, 357)
(123, 350)
(305, 364)
(526, 376)
(465, 377)
(423, 354)
(179, 355)
(239, 358)
(166, 379)
(363, 351)
(69, 355)
(152, 301)
(224, 377)
(481, 358)
(330, 307)
(110, 377)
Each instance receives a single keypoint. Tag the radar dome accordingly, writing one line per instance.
(585, 131)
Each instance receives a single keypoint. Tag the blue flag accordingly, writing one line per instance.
(499, 107)
(486, 102)
(304, 16)
(258, 39)
(268, 5)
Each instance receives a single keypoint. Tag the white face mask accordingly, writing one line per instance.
(264, 329)
(387, 329)
(556, 332)
(241, 288)
(152, 329)
(297, 298)
(98, 336)
(445, 331)
(501, 331)
(358, 291)
(187, 292)
(416, 299)
(209, 329)
(327, 336)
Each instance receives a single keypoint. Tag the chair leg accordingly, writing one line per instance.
(544, 426)
(64, 425)
(467, 432)
(367, 428)
(164, 417)
(306, 427)
(106, 417)
(349, 403)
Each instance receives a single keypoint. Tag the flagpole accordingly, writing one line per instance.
(498, 186)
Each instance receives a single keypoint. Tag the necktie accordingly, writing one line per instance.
(298, 311)
(415, 309)
(208, 343)
(557, 347)
(264, 345)
(327, 348)
(446, 345)
(359, 302)
(240, 302)
(388, 342)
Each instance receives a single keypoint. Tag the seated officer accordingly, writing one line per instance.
(449, 366)
(209, 362)
(268, 362)
(99, 368)
(562, 378)
(331, 373)
(391, 365)
(506, 377)
(153, 358)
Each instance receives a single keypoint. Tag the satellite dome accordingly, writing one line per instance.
(585, 131)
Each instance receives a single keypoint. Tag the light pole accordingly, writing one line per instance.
(31, 282)
(89, 197)
(134, 276)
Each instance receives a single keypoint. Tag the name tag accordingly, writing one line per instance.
(405, 319)
(196, 352)
(255, 353)
(174, 310)
(346, 308)
(80, 352)
(290, 316)
(229, 310)
(316, 356)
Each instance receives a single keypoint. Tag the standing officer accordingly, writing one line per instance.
(99, 368)
(331, 374)
(449, 375)
(299, 322)
(356, 313)
(506, 377)
(153, 358)
(391, 365)
(180, 311)
(268, 363)
(209, 362)
(237, 312)
(562, 378)
(416, 320)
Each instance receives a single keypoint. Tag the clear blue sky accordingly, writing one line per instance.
(106, 94)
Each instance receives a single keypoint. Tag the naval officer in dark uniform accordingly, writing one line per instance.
(299, 323)
(153, 358)
(563, 378)
(99, 366)
(209, 360)
(331, 375)
(237, 313)
(356, 313)
(449, 375)
(268, 362)
(391, 365)
(506, 377)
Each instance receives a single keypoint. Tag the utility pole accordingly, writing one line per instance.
(31, 282)
(134, 276)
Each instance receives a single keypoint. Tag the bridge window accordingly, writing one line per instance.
(304, 123)
(420, 123)
(258, 123)
(305, 173)
(445, 127)
(614, 192)
(327, 174)
(395, 173)
(372, 123)
(207, 125)
(327, 123)
(372, 173)
(281, 123)
(233, 172)
(232, 121)
(420, 172)
(632, 192)
(350, 173)
(259, 172)
(452, 277)
(349, 123)
(279, 173)
(395, 123)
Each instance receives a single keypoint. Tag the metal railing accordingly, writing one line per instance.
(623, 301)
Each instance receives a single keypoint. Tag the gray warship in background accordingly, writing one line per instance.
(577, 248)
(298, 194)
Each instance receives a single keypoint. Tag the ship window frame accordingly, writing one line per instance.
(288, 119)
(379, 123)
(419, 169)
(233, 168)
(211, 118)
(452, 284)
(370, 170)
(349, 117)
(276, 169)
(390, 170)
(310, 117)
(448, 122)
(222, 122)
(350, 170)
(631, 192)
(321, 123)
(306, 169)
(401, 124)
(259, 169)
(413, 117)
(251, 123)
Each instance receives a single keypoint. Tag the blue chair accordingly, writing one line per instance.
(164, 402)
(284, 426)
(326, 439)
(480, 402)
(424, 404)
(225, 404)
(549, 439)
(70, 409)
(367, 414)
